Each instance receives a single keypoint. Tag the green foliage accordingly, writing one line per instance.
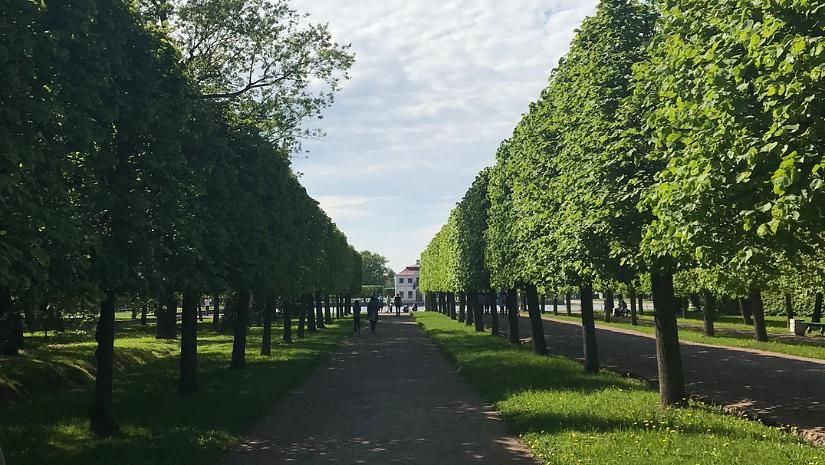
(375, 269)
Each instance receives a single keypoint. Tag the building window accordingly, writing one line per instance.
(409, 294)
(409, 280)
(400, 280)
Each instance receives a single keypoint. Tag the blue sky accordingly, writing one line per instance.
(436, 86)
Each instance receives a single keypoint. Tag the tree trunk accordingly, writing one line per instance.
(494, 323)
(143, 315)
(327, 311)
(462, 307)
(478, 311)
(512, 316)
(11, 326)
(745, 310)
(306, 307)
(555, 304)
(533, 309)
(189, 345)
(608, 305)
(709, 307)
(542, 303)
(758, 312)
(816, 317)
(788, 306)
(216, 311)
(266, 338)
(319, 312)
(348, 303)
(101, 421)
(313, 304)
(167, 319)
(634, 319)
(641, 298)
(241, 326)
(471, 313)
(288, 306)
(668, 354)
(200, 312)
(568, 304)
(590, 348)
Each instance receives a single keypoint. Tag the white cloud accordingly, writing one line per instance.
(436, 86)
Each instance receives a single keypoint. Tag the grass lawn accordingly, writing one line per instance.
(566, 416)
(158, 426)
(813, 349)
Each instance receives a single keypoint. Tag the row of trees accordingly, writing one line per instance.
(146, 151)
(676, 138)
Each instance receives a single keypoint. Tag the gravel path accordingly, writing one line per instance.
(387, 398)
(781, 390)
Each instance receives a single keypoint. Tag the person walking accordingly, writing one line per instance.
(356, 316)
(372, 313)
(397, 302)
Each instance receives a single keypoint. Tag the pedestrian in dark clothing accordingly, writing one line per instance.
(397, 302)
(372, 313)
(356, 316)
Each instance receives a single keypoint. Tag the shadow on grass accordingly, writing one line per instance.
(158, 426)
(549, 395)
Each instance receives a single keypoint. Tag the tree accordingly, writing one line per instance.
(375, 269)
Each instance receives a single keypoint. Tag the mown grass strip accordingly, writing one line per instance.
(160, 427)
(566, 416)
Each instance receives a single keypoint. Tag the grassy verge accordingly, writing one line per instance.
(813, 349)
(158, 426)
(566, 416)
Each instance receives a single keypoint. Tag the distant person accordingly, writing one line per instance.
(356, 316)
(372, 313)
(415, 307)
(397, 302)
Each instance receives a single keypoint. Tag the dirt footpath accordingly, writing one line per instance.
(387, 398)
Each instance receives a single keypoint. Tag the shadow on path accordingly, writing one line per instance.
(387, 398)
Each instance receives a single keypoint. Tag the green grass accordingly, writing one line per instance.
(158, 426)
(566, 416)
(811, 349)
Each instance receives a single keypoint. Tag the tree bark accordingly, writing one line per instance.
(348, 304)
(101, 422)
(758, 312)
(11, 326)
(641, 298)
(167, 319)
(745, 310)
(462, 307)
(189, 345)
(305, 307)
(590, 348)
(319, 312)
(327, 311)
(668, 354)
(788, 306)
(266, 338)
(709, 310)
(568, 304)
(555, 304)
(816, 317)
(216, 311)
(512, 316)
(494, 323)
(200, 312)
(608, 305)
(534, 310)
(634, 318)
(313, 303)
(287, 336)
(471, 313)
(477, 310)
(241, 326)
(143, 315)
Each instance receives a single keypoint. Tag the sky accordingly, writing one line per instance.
(436, 86)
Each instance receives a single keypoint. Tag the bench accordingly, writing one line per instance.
(819, 326)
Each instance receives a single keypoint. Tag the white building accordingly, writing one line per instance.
(406, 284)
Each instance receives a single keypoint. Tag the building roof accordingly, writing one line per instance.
(410, 271)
